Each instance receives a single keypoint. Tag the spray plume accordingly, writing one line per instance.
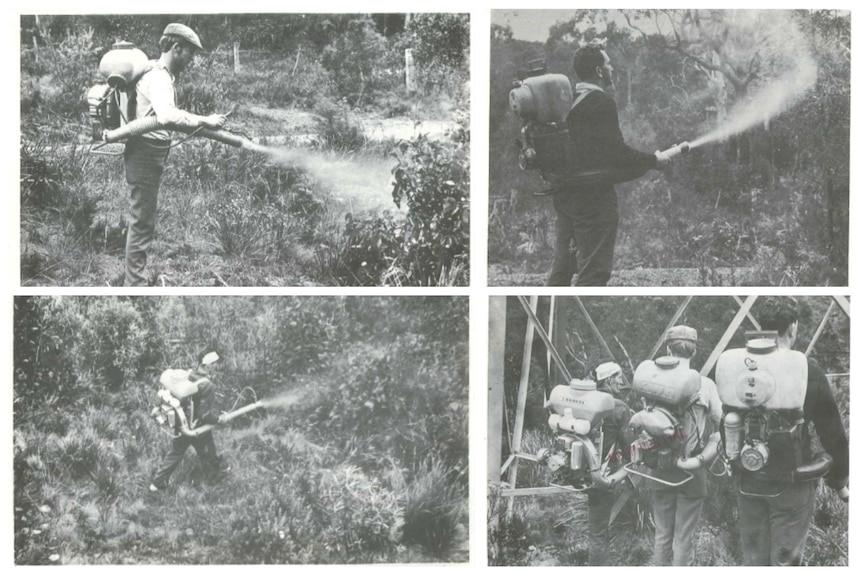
(366, 180)
(288, 399)
(780, 95)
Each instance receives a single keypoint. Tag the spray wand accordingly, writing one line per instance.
(677, 150)
(223, 418)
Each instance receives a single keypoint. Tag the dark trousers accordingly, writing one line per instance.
(144, 162)
(773, 529)
(586, 233)
(205, 448)
(600, 503)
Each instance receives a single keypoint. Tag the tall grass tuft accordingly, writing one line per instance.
(434, 511)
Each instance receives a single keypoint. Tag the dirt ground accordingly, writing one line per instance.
(499, 275)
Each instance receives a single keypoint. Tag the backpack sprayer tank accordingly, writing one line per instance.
(667, 386)
(577, 411)
(542, 102)
(120, 68)
(763, 390)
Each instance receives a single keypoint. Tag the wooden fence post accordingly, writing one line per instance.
(410, 71)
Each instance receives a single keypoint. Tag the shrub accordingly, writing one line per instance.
(336, 130)
(65, 70)
(111, 341)
(432, 179)
(45, 361)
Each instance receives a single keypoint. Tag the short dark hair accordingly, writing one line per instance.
(587, 59)
(167, 42)
(778, 314)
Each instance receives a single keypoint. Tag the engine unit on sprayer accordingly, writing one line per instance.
(762, 388)
(175, 386)
(541, 101)
(576, 414)
(667, 387)
(108, 101)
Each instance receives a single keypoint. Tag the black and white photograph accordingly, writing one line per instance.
(668, 430)
(669, 147)
(324, 430)
(260, 149)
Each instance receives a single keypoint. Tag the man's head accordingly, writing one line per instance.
(780, 314)
(205, 361)
(681, 341)
(592, 64)
(609, 377)
(178, 44)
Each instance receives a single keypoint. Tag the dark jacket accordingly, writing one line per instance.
(821, 409)
(594, 126)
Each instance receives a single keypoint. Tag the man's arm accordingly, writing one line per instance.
(820, 407)
(163, 101)
(628, 161)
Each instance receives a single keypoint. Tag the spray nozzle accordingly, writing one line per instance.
(678, 149)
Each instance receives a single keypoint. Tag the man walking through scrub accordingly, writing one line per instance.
(194, 391)
(587, 215)
(145, 155)
(677, 510)
(775, 510)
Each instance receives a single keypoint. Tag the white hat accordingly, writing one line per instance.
(607, 369)
(209, 358)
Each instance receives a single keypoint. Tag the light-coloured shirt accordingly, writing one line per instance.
(705, 415)
(156, 95)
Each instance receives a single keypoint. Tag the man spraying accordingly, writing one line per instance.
(587, 214)
(189, 394)
(145, 155)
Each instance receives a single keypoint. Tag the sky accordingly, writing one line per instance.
(530, 25)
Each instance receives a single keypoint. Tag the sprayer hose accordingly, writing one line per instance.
(151, 123)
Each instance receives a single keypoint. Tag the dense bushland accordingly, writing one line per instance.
(552, 530)
(361, 457)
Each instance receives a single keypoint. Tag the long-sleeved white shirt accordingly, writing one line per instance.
(156, 95)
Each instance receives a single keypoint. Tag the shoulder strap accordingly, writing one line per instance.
(581, 97)
(132, 92)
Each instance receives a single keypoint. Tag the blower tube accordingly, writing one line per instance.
(197, 431)
(151, 123)
(677, 150)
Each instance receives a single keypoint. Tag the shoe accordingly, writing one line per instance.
(154, 488)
